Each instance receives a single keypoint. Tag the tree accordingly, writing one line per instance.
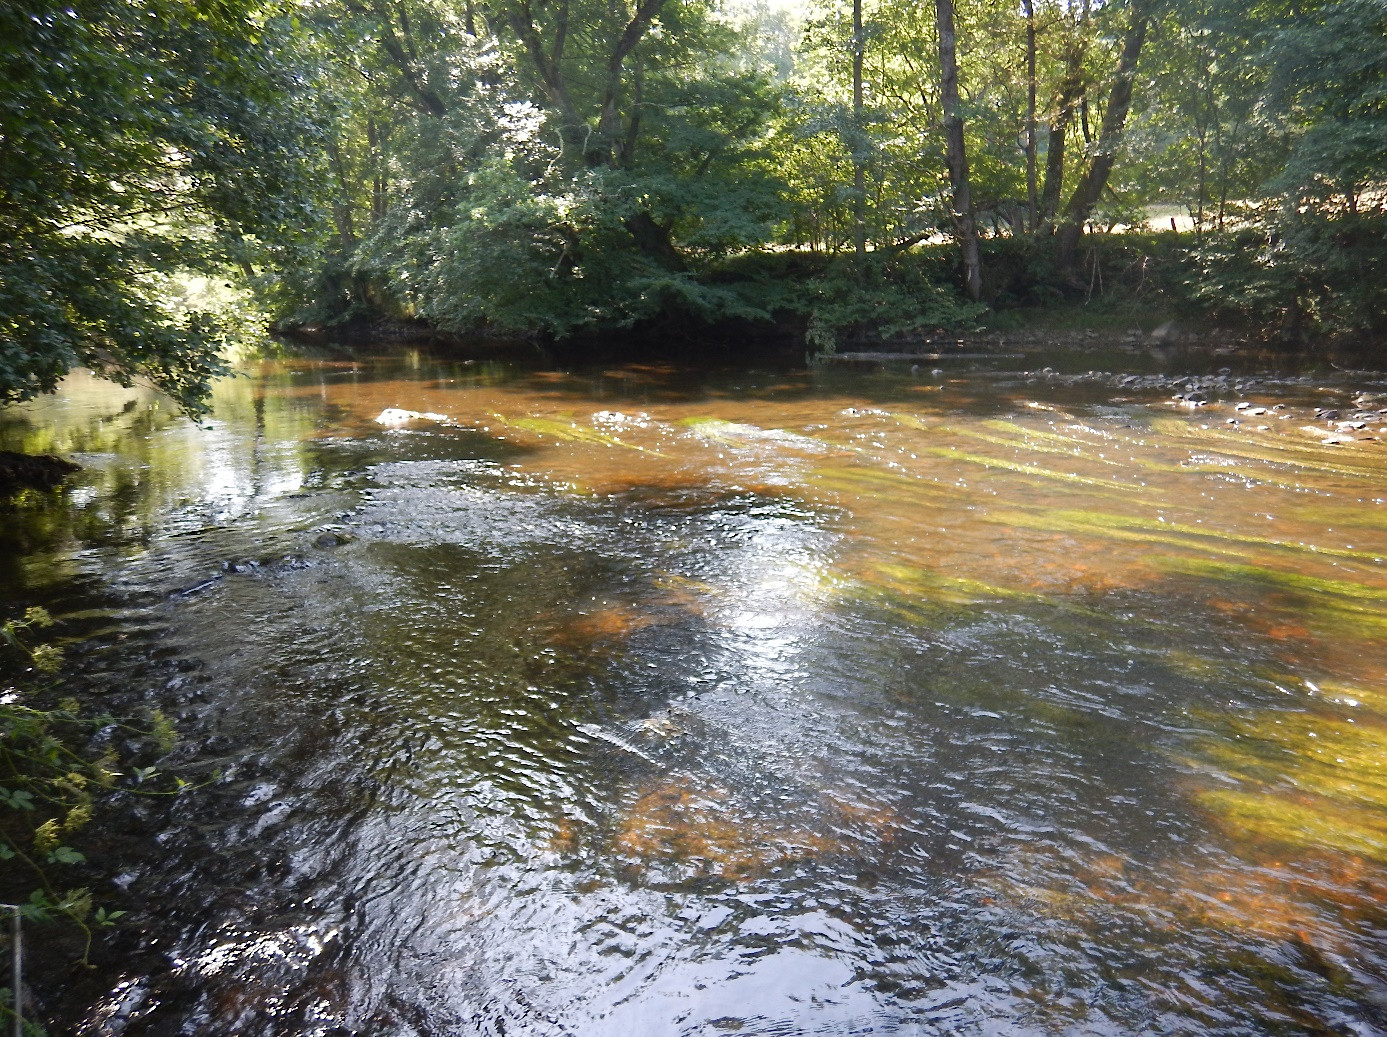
(136, 137)
(553, 167)
(1329, 92)
(955, 154)
(1095, 176)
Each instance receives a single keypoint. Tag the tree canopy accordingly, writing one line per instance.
(138, 137)
(551, 168)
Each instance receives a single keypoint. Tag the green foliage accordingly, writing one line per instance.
(1203, 137)
(51, 782)
(513, 211)
(558, 169)
(136, 138)
(1329, 86)
(1313, 260)
(1117, 271)
(46, 782)
(1298, 274)
(894, 301)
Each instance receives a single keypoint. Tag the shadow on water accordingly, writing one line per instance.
(645, 702)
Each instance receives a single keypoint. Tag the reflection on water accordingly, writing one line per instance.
(649, 702)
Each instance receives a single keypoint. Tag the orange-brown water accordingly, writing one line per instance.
(663, 702)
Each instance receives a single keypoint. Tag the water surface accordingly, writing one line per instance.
(649, 701)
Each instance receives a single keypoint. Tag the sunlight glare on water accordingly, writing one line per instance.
(649, 701)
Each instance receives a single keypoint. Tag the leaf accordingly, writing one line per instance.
(67, 855)
(17, 800)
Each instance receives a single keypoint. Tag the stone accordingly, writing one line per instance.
(396, 416)
(1167, 332)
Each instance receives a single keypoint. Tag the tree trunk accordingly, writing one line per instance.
(342, 204)
(610, 137)
(1071, 89)
(1095, 178)
(379, 198)
(652, 238)
(859, 175)
(400, 48)
(1034, 222)
(964, 227)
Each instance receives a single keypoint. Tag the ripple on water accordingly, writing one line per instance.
(633, 704)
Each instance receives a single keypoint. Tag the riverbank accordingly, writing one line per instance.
(32, 472)
(1127, 289)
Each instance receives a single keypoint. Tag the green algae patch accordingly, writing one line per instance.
(1170, 534)
(1314, 778)
(1335, 610)
(1035, 441)
(1353, 697)
(1275, 579)
(1309, 822)
(720, 430)
(570, 432)
(1019, 467)
(1295, 455)
(1045, 435)
(1074, 450)
(920, 597)
(742, 434)
(874, 481)
(1078, 451)
(934, 585)
(1034, 471)
(919, 424)
(1195, 667)
(1094, 524)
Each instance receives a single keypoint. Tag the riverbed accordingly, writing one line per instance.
(953, 698)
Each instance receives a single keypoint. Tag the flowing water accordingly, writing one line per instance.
(654, 702)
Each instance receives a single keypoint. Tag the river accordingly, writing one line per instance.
(646, 701)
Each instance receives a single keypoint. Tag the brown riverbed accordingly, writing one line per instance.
(975, 699)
